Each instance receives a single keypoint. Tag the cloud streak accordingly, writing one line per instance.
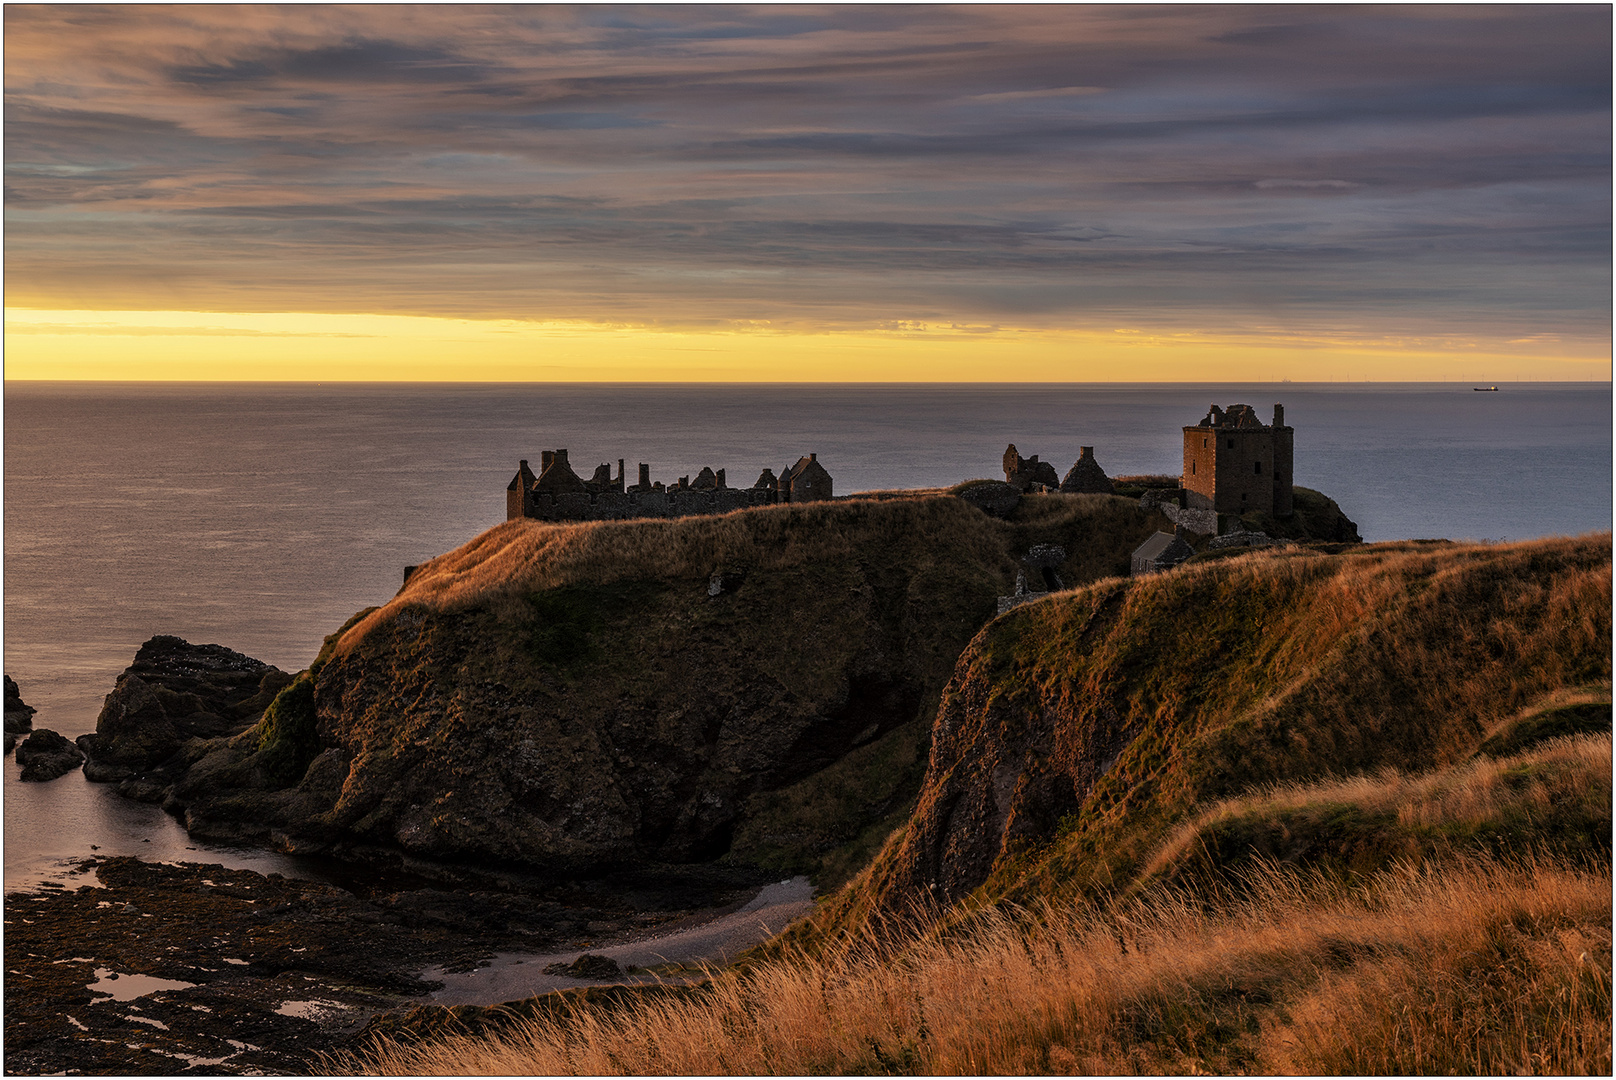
(1422, 168)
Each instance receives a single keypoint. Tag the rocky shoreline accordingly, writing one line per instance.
(140, 968)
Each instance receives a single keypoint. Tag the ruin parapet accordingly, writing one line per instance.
(558, 494)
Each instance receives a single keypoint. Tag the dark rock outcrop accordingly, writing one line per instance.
(587, 966)
(175, 692)
(45, 755)
(995, 498)
(19, 717)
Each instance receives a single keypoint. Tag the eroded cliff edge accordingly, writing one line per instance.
(1135, 730)
(576, 697)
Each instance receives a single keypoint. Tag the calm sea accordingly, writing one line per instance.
(262, 516)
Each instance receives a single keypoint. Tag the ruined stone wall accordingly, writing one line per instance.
(1284, 466)
(1200, 467)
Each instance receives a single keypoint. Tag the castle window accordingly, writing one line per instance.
(1257, 467)
(1203, 444)
(1192, 468)
(1231, 444)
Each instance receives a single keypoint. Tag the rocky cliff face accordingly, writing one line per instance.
(1076, 732)
(573, 697)
(173, 693)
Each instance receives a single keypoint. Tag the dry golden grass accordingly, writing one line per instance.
(517, 558)
(1558, 793)
(1273, 665)
(1476, 967)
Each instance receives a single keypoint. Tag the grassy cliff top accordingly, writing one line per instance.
(1079, 732)
(519, 558)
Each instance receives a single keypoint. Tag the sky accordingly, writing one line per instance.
(1038, 193)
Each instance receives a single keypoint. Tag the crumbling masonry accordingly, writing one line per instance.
(1235, 464)
(559, 494)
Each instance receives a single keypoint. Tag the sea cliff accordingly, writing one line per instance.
(1078, 733)
(570, 698)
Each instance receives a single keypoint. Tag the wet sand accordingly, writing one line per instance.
(511, 976)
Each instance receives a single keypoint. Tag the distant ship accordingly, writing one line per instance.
(1484, 389)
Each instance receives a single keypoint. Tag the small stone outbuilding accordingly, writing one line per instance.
(1162, 551)
(1086, 477)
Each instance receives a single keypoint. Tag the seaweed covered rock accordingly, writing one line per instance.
(172, 693)
(587, 966)
(19, 718)
(45, 755)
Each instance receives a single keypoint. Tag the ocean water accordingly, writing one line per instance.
(262, 516)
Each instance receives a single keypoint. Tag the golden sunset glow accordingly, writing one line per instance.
(297, 346)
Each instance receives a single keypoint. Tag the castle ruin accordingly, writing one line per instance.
(557, 493)
(1085, 477)
(1236, 464)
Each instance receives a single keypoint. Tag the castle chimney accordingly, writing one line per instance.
(619, 474)
(1279, 415)
(1086, 451)
(561, 456)
(720, 482)
(546, 459)
(812, 456)
(645, 476)
(524, 463)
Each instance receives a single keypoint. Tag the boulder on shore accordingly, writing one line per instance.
(19, 718)
(45, 755)
(173, 692)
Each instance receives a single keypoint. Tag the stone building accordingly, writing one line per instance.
(1163, 551)
(559, 494)
(806, 481)
(1235, 464)
(515, 496)
(1085, 477)
(1026, 473)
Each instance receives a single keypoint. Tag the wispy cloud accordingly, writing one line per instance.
(1051, 165)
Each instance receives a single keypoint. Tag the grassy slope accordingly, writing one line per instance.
(1469, 966)
(1203, 683)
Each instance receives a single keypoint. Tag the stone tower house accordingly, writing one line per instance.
(1235, 464)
